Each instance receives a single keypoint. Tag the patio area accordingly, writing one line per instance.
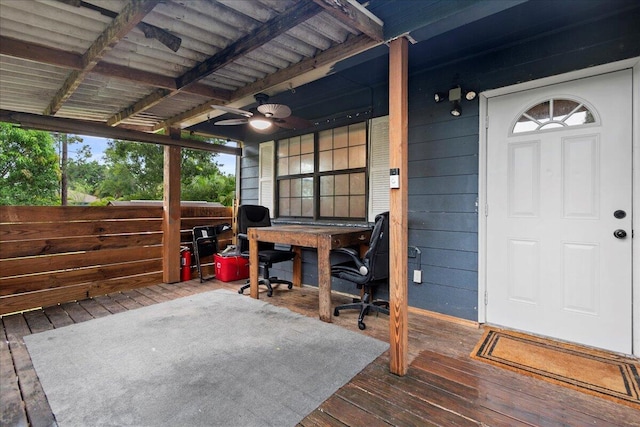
(443, 386)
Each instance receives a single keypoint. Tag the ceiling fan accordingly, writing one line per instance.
(266, 118)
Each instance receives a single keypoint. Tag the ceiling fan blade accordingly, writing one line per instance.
(293, 122)
(229, 122)
(278, 111)
(232, 110)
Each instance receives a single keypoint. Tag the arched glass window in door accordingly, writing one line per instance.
(554, 113)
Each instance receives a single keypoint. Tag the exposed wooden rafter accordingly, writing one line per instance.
(130, 16)
(144, 104)
(350, 47)
(82, 127)
(263, 34)
(61, 58)
(354, 15)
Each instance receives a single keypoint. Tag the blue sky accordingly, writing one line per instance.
(98, 145)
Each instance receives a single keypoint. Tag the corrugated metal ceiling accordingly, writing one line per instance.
(52, 61)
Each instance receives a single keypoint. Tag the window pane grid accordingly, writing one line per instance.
(329, 184)
(343, 196)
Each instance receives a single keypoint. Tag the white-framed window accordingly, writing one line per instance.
(335, 174)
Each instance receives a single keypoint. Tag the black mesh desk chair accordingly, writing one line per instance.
(367, 272)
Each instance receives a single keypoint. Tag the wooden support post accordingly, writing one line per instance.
(254, 261)
(324, 278)
(297, 267)
(171, 212)
(398, 205)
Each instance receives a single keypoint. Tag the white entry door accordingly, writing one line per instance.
(559, 175)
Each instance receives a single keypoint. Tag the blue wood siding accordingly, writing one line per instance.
(443, 194)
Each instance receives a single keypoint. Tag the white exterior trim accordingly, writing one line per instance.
(267, 176)
(633, 63)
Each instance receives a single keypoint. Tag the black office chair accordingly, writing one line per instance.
(258, 216)
(205, 243)
(367, 272)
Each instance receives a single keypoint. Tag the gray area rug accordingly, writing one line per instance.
(215, 358)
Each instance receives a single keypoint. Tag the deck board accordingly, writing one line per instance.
(12, 412)
(443, 386)
(35, 402)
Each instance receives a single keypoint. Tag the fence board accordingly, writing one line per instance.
(74, 244)
(59, 279)
(31, 214)
(49, 297)
(123, 284)
(42, 298)
(74, 260)
(47, 230)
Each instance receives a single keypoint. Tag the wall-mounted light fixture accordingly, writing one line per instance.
(455, 96)
(456, 109)
(470, 95)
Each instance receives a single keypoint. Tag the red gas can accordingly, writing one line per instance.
(185, 264)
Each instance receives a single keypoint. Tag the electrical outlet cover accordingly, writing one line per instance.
(417, 276)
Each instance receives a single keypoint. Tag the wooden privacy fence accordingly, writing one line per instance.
(51, 255)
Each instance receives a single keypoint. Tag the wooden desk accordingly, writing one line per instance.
(323, 238)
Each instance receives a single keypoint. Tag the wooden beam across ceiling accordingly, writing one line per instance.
(130, 16)
(354, 15)
(82, 127)
(61, 58)
(261, 35)
(147, 102)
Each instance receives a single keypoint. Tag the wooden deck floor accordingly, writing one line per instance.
(444, 387)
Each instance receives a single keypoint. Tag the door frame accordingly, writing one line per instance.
(634, 64)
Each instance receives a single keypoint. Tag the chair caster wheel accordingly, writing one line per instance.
(240, 291)
(290, 286)
(362, 326)
(336, 313)
(269, 293)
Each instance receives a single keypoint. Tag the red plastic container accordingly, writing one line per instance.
(230, 268)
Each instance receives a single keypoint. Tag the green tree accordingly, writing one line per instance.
(135, 171)
(212, 188)
(63, 140)
(29, 167)
(85, 175)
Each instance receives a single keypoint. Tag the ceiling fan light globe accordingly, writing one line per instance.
(260, 123)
